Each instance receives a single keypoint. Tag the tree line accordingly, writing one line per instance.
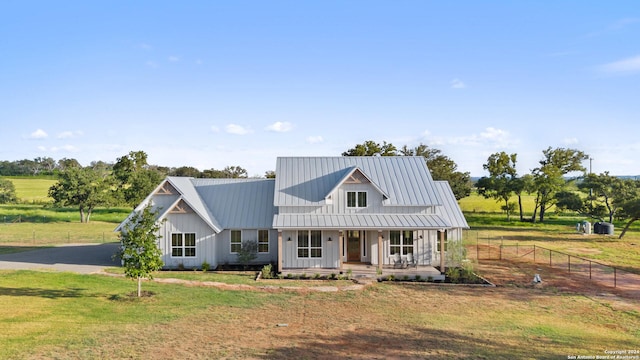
(131, 178)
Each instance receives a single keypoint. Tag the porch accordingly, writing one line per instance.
(368, 271)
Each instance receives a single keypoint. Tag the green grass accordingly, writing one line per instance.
(32, 189)
(48, 309)
(64, 315)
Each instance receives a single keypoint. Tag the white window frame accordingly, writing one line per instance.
(404, 245)
(232, 243)
(310, 249)
(182, 246)
(264, 243)
(358, 193)
(446, 240)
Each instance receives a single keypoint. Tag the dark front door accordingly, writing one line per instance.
(353, 245)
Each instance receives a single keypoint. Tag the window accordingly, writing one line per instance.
(183, 245)
(236, 241)
(356, 199)
(309, 244)
(446, 241)
(263, 241)
(401, 242)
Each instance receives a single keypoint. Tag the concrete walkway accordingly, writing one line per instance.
(79, 258)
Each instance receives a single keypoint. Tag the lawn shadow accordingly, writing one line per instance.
(414, 343)
(44, 293)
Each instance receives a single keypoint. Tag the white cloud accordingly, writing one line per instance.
(38, 134)
(280, 126)
(69, 134)
(458, 84)
(237, 129)
(67, 148)
(314, 139)
(624, 66)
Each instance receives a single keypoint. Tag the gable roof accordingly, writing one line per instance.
(238, 203)
(404, 180)
(355, 173)
(450, 210)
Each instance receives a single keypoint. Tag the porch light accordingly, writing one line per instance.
(289, 239)
(329, 239)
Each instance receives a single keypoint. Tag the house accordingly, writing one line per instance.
(319, 212)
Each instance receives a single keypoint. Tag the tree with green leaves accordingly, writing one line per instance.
(82, 187)
(372, 148)
(442, 168)
(501, 182)
(632, 212)
(134, 178)
(606, 194)
(139, 249)
(548, 178)
(7, 192)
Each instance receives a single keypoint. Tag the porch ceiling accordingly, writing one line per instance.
(360, 221)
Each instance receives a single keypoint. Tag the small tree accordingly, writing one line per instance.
(248, 252)
(139, 248)
(7, 192)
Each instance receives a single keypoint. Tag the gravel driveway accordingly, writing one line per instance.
(79, 258)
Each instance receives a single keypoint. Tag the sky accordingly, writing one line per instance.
(211, 84)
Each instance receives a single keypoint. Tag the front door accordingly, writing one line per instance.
(353, 245)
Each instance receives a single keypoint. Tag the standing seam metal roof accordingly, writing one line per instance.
(302, 181)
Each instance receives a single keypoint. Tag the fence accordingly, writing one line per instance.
(603, 274)
(55, 233)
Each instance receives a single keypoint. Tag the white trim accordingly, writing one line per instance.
(234, 243)
(357, 192)
(309, 247)
(183, 245)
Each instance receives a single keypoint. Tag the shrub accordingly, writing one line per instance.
(205, 266)
(453, 274)
(267, 271)
(248, 252)
(418, 278)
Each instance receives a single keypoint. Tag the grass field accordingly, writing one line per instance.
(63, 315)
(32, 190)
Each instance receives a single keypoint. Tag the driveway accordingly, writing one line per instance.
(79, 258)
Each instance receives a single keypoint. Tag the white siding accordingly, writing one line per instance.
(223, 247)
(330, 251)
(205, 239)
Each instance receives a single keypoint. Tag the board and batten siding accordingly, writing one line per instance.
(223, 246)
(330, 251)
(205, 239)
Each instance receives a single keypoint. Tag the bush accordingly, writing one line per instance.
(205, 266)
(267, 271)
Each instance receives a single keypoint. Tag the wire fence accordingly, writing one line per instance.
(583, 268)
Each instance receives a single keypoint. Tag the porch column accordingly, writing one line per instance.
(443, 235)
(380, 250)
(279, 251)
(340, 247)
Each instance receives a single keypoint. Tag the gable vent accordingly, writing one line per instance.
(181, 208)
(357, 178)
(167, 189)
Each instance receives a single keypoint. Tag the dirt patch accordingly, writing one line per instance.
(584, 251)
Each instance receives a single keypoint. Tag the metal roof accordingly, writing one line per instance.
(450, 209)
(360, 221)
(238, 203)
(302, 181)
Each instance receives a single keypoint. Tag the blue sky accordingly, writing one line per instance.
(216, 83)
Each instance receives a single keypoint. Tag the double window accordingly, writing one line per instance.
(183, 245)
(356, 199)
(401, 242)
(309, 243)
(236, 241)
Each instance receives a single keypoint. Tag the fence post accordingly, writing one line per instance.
(517, 249)
(589, 270)
(615, 278)
(478, 246)
(534, 253)
(550, 253)
(569, 259)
